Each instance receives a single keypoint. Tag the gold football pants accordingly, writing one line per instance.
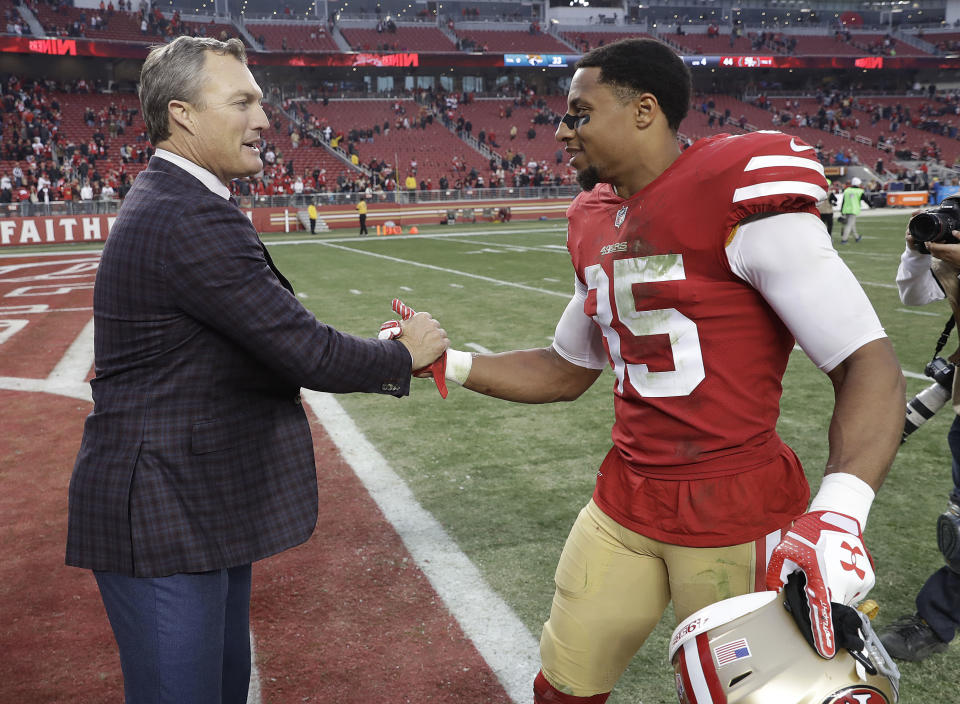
(613, 586)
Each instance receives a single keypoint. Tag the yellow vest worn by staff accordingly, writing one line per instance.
(312, 211)
(851, 200)
(362, 207)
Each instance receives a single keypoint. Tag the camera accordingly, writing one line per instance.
(925, 404)
(936, 225)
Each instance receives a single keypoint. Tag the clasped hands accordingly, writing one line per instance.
(423, 337)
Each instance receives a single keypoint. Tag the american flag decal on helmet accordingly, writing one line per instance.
(729, 652)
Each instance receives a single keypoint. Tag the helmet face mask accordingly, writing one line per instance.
(749, 650)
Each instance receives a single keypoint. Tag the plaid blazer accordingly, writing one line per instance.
(198, 454)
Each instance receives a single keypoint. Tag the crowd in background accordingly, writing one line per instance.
(41, 164)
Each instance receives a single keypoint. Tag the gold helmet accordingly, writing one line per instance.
(749, 650)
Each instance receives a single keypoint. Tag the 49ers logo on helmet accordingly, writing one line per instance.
(861, 694)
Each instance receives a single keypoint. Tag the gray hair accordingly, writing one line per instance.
(174, 71)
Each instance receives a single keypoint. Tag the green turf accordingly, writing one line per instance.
(507, 480)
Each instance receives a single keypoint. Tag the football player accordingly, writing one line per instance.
(695, 273)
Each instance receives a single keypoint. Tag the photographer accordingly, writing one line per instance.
(923, 278)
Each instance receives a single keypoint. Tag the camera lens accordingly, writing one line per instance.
(925, 227)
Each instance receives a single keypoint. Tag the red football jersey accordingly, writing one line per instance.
(697, 353)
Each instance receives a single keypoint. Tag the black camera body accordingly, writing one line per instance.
(941, 371)
(936, 224)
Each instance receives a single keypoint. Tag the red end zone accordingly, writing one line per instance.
(347, 617)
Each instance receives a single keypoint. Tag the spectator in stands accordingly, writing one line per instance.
(171, 532)
(410, 182)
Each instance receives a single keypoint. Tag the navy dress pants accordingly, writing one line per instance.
(183, 639)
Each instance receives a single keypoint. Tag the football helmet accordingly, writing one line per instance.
(749, 650)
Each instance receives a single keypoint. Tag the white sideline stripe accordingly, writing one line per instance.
(254, 693)
(498, 282)
(486, 619)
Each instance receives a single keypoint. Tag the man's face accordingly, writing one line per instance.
(228, 128)
(598, 147)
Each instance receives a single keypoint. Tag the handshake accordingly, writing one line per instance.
(428, 346)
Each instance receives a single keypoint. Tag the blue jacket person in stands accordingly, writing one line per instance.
(197, 458)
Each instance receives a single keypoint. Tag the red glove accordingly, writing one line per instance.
(828, 548)
(391, 330)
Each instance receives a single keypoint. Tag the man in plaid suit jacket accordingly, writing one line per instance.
(197, 458)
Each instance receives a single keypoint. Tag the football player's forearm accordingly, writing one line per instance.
(867, 422)
(529, 376)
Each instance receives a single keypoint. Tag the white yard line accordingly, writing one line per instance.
(878, 285)
(487, 620)
(76, 361)
(456, 272)
(920, 312)
(427, 236)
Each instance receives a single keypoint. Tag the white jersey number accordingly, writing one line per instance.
(688, 369)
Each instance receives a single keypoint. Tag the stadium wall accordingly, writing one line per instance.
(430, 213)
(61, 229)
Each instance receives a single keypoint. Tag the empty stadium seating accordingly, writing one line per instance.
(586, 40)
(292, 36)
(305, 157)
(719, 45)
(120, 26)
(406, 38)
(432, 148)
(513, 42)
(73, 128)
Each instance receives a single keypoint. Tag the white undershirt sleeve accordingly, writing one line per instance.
(915, 279)
(577, 338)
(790, 260)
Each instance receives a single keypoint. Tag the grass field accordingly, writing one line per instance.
(506, 480)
